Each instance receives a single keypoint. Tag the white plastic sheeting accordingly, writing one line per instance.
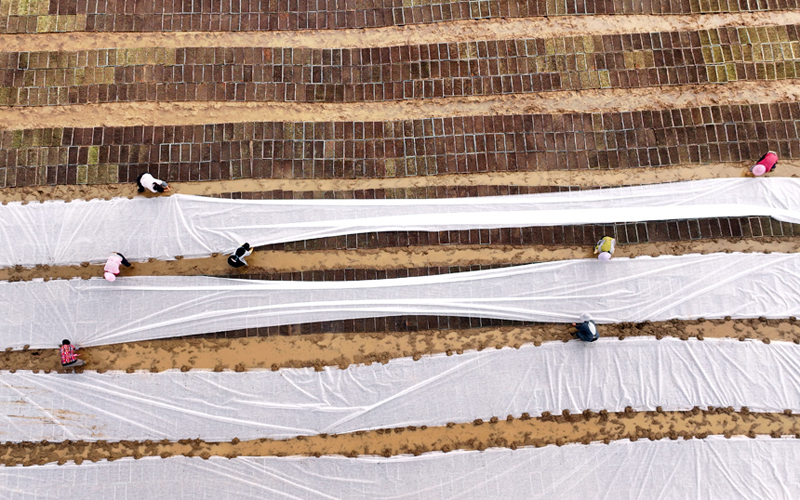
(92, 312)
(643, 373)
(69, 233)
(714, 467)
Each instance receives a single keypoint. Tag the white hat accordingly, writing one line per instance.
(604, 256)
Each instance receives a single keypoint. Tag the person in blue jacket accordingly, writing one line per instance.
(587, 330)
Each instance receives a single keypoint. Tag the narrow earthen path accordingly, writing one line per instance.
(342, 350)
(605, 177)
(510, 431)
(275, 261)
(584, 101)
(449, 32)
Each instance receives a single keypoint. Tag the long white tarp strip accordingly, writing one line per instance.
(69, 233)
(642, 373)
(93, 312)
(737, 468)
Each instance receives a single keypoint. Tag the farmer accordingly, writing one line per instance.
(69, 358)
(605, 248)
(111, 269)
(236, 259)
(145, 180)
(766, 163)
(587, 330)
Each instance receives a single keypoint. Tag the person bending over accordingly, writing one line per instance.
(111, 269)
(605, 248)
(765, 164)
(147, 181)
(69, 358)
(586, 331)
(236, 259)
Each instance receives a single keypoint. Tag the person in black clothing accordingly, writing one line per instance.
(586, 331)
(236, 259)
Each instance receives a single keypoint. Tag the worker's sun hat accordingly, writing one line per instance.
(604, 256)
(759, 170)
(109, 276)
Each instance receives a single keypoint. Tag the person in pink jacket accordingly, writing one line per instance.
(766, 163)
(111, 269)
(69, 358)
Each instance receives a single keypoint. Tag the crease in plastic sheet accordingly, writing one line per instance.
(642, 373)
(58, 233)
(94, 312)
(714, 467)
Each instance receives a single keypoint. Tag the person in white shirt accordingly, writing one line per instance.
(147, 181)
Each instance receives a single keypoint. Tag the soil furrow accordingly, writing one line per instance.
(263, 15)
(498, 431)
(615, 177)
(585, 101)
(341, 350)
(449, 32)
(266, 262)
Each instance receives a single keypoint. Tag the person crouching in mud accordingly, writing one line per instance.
(604, 248)
(111, 269)
(69, 358)
(236, 259)
(587, 330)
(765, 164)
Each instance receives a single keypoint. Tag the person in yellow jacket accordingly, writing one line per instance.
(605, 248)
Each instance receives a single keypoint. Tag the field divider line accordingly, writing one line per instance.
(412, 257)
(446, 32)
(581, 101)
(586, 178)
(499, 431)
